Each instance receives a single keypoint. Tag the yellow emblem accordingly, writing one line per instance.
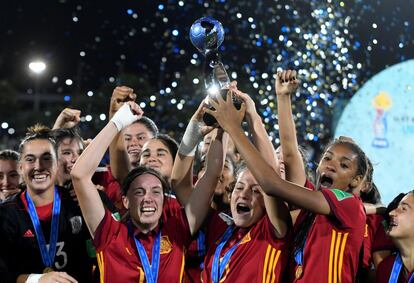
(166, 245)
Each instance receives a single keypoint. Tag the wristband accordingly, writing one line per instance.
(34, 278)
(123, 117)
(192, 136)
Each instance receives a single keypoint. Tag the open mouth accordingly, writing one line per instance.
(242, 208)
(134, 151)
(148, 210)
(393, 223)
(39, 177)
(326, 181)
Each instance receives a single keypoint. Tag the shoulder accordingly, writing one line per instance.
(339, 198)
(385, 267)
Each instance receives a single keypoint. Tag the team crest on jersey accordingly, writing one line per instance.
(341, 195)
(166, 245)
(76, 224)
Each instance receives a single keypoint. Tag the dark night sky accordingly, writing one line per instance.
(133, 42)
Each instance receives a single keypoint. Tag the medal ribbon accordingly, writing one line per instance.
(396, 269)
(201, 243)
(47, 253)
(151, 271)
(299, 255)
(219, 266)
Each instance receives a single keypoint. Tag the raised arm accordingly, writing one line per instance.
(182, 173)
(118, 158)
(276, 209)
(227, 116)
(89, 201)
(201, 196)
(286, 85)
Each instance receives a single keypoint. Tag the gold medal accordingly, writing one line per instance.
(299, 271)
(48, 269)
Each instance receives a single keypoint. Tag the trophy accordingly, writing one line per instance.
(207, 34)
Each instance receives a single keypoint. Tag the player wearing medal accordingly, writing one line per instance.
(254, 247)
(145, 247)
(41, 229)
(398, 268)
(332, 223)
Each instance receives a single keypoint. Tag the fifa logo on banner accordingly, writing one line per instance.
(382, 103)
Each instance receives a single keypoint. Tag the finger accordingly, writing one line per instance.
(288, 75)
(284, 78)
(206, 129)
(65, 278)
(213, 103)
(201, 106)
(294, 75)
(220, 97)
(99, 187)
(233, 85)
(133, 96)
(241, 94)
(136, 109)
(243, 108)
(229, 97)
(124, 89)
(278, 78)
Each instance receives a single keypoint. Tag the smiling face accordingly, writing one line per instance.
(156, 155)
(338, 168)
(402, 219)
(69, 151)
(135, 136)
(247, 204)
(9, 178)
(38, 165)
(144, 201)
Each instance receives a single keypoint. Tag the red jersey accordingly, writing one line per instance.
(385, 268)
(259, 257)
(375, 239)
(118, 257)
(333, 243)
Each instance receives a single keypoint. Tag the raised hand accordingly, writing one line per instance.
(244, 97)
(68, 118)
(126, 115)
(286, 82)
(228, 117)
(198, 117)
(120, 95)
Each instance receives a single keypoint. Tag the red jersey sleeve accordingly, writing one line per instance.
(106, 230)
(344, 206)
(381, 240)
